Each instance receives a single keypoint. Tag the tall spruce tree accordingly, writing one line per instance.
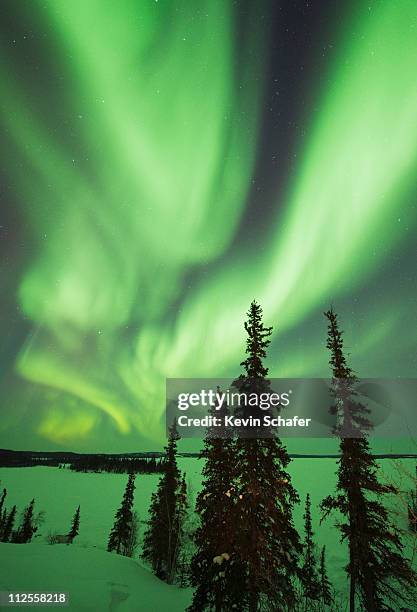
(182, 508)
(161, 545)
(266, 542)
(326, 597)
(182, 562)
(27, 528)
(75, 526)
(7, 531)
(309, 574)
(120, 534)
(380, 576)
(215, 569)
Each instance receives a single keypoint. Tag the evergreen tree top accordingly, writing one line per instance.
(256, 342)
(173, 437)
(334, 343)
(354, 422)
(75, 524)
(170, 462)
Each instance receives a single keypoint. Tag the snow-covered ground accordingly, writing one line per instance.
(94, 579)
(101, 581)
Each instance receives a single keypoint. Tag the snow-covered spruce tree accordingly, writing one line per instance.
(121, 531)
(182, 566)
(326, 597)
(27, 528)
(161, 545)
(309, 575)
(380, 576)
(188, 544)
(215, 569)
(75, 526)
(7, 530)
(267, 545)
(133, 543)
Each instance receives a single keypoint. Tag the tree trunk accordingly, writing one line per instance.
(352, 594)
(352, 568)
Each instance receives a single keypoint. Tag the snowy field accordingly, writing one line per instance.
(97, 580)
(94, 579)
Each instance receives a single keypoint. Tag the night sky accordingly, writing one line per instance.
(163, 163)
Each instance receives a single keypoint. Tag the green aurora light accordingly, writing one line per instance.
(169, 128)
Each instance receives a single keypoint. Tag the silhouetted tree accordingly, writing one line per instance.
(325, 586)
(27, 529)
(3, 519)
(75, 526)
(8, 525)
(182, 507)
(266, 543)
(2, 498)
(161, 545)
(121, 531)
(215, 568)
(309, 575)
(380, 576)
(3, 512)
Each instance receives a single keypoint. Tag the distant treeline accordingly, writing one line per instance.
(143, 463)
(118, 465)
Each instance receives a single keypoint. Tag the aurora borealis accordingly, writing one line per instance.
(162, 165)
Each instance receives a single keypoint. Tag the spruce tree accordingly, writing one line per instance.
(182, 509)
(215, 568)
(266, 542)
(309, 575)
(134, 534)
(120, 534)
(326, 597)
(2, 511)
(380, 576)
(2, 498)
(75, 526)
(182, 561)
(161, 545)
(7, 530)
(3, 519)
(27, 529)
